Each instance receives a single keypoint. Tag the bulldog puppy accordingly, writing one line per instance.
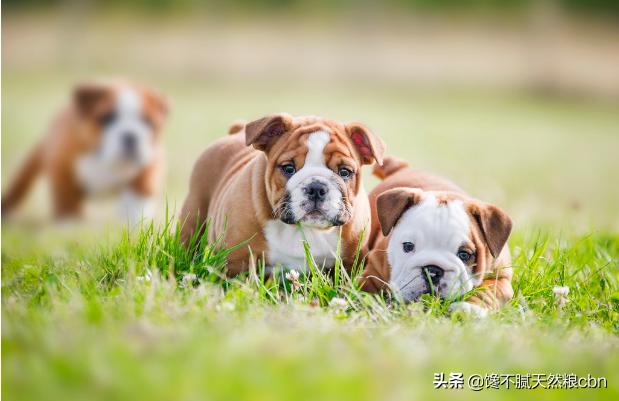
(428, 236)
(299, 179)
(107, 140)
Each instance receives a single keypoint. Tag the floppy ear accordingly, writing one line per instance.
(392, 203)
(370, 146)
(160, 102)
(157, 106)
(264, 132)
(495, 224)
(87, 96)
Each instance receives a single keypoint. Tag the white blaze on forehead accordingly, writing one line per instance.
(128, 102)
(314, 164)
(316, 143)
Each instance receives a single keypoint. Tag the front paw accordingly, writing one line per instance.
(468, 309)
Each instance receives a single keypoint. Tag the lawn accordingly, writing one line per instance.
(90, 311)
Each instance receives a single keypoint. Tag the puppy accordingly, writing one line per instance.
(428, 236)
(107, 140)
(299, 179)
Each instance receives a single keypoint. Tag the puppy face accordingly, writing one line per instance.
(314, 165)
(122, 121)
(440, 242)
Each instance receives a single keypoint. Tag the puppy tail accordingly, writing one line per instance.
(390, 166)
(23, 180)
(236, 127)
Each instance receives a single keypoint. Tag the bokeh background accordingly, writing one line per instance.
(518, 101)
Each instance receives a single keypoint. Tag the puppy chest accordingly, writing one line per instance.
(285, 245)
(97, 177)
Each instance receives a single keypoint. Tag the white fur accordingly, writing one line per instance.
(98, 177)
(468, 309)
(315, 169)
(286, 245)
(136, 207)
(437, 231)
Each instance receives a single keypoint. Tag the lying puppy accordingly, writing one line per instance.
(106, 140)
(433, 238)
(300, 180)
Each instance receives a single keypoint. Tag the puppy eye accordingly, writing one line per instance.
(288, 169)
(464, 256)
(408, 247)
(345, 172)
(107, 119)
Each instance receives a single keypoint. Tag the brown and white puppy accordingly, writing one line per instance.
(428, 236)
(300, 179)
(107, 140)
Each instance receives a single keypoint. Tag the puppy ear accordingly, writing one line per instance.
(88, 96)
(495, 225)
(369, 146)
(160, 102)
(264, 132)
(156, 107)
(391, 204)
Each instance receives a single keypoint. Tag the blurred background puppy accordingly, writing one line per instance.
(105, 142)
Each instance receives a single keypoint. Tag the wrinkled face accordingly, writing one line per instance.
(315, 180)
(432, 250)
(125, 120)
(126, 134)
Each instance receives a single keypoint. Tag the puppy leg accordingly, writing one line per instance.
(493, 293)
(194, 212)
(136, 207)
(66, 195)
(375, 278)
(138, 201)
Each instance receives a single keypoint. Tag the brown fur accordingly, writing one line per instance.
(74, 132)
(403, 187)
(239, 186)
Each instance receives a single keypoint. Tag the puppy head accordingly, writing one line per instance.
(121, 121)
(439, 242)
(314, 166)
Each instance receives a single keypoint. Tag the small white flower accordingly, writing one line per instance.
(146, 277)
(293, 277)
(561, 294)
(188, 280)
(338, 303)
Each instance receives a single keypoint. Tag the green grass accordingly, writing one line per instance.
(117, 321)
(78, 324)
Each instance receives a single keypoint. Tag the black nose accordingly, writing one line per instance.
(433, 273)
(129, 142)
(316, 191)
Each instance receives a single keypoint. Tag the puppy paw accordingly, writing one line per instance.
(468, 309)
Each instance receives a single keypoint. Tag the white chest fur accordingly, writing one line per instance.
(285, 242)
(96, 176)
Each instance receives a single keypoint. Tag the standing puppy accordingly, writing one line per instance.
(106, 141)
(429, 237)
(299, 179)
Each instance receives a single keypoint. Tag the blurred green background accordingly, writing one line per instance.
(517, 101)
